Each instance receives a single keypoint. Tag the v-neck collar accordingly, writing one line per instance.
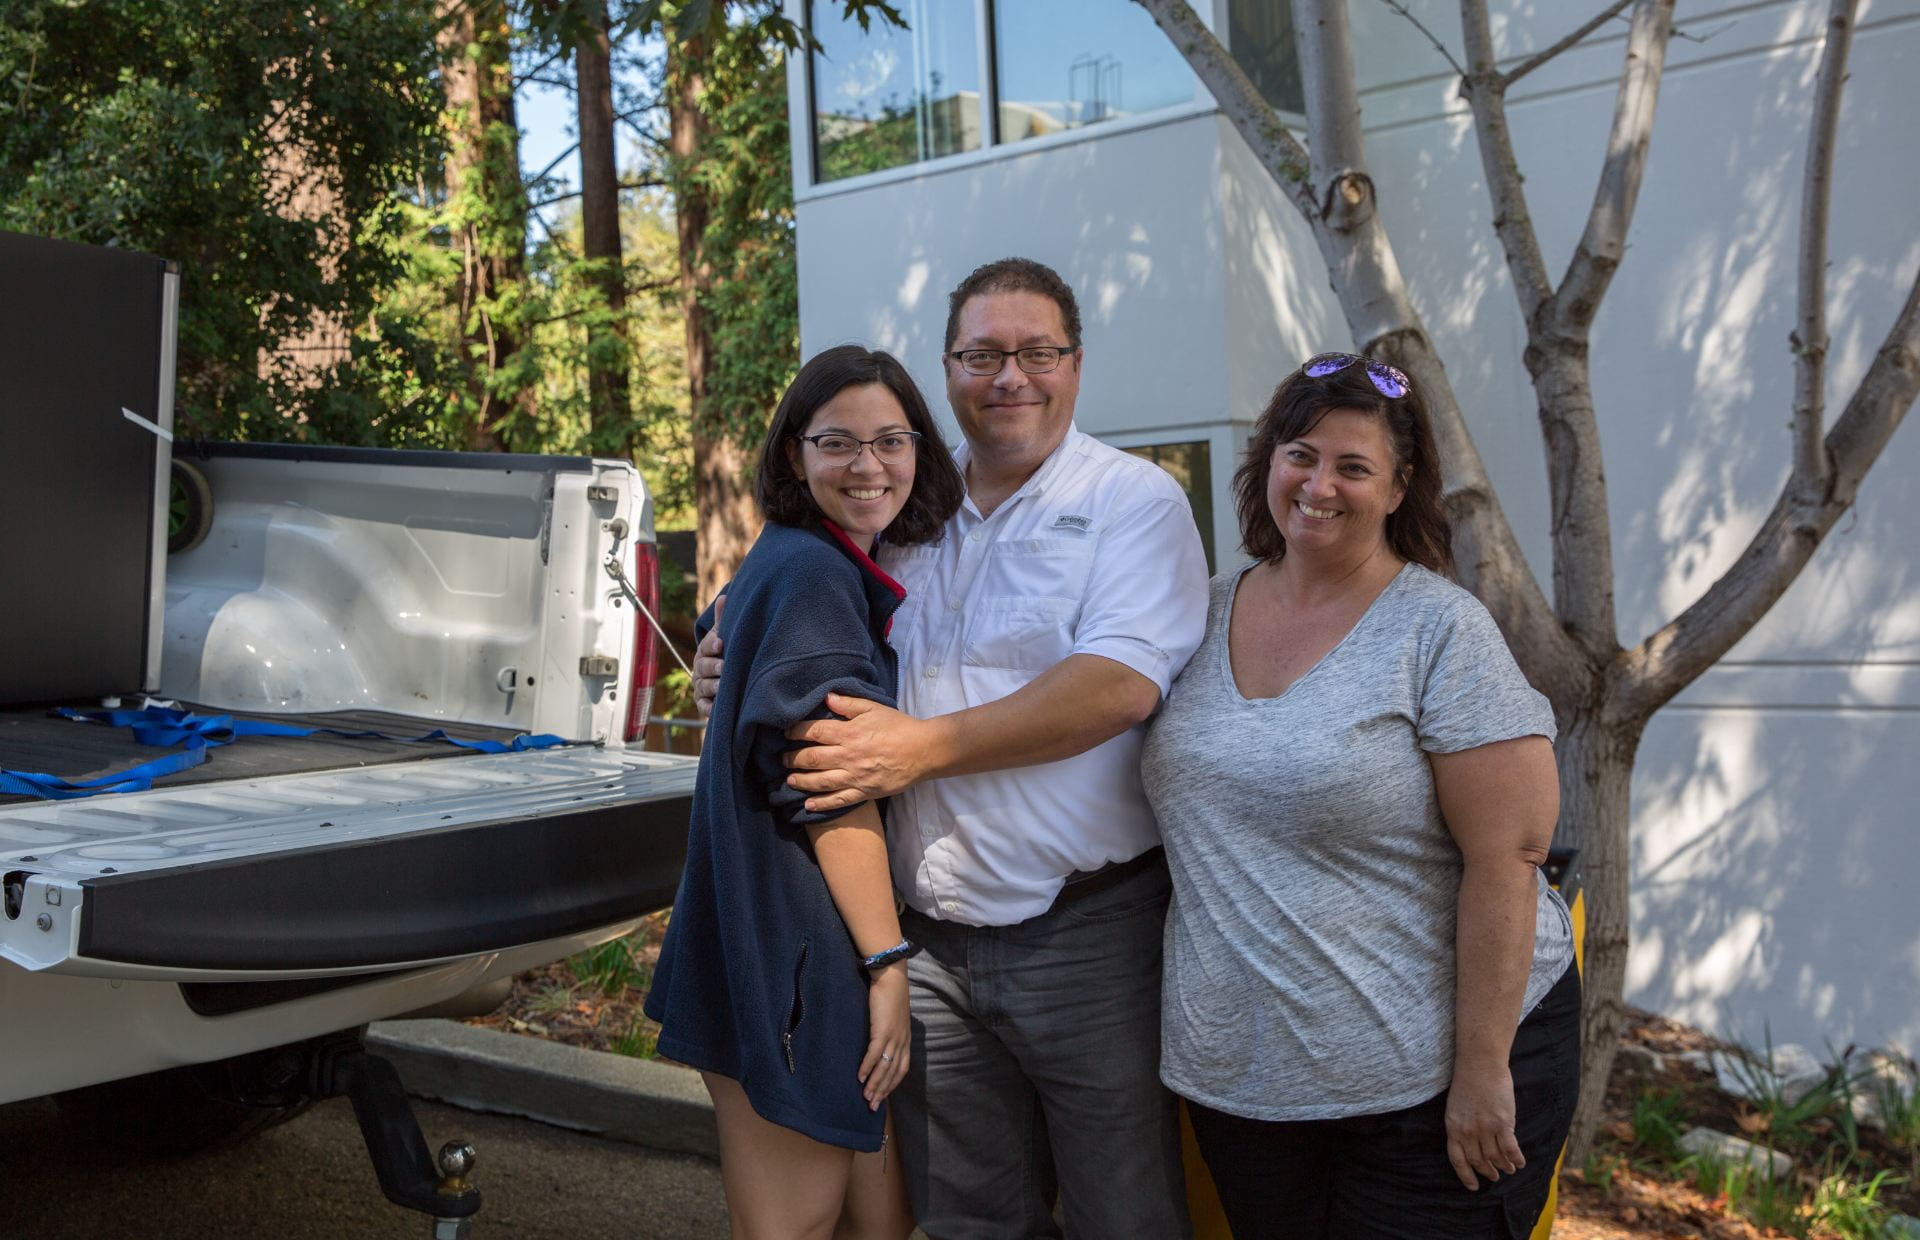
(1226, 636)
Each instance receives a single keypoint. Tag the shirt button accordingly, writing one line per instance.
(974, 537)
(953, 605)
(933, 671)
(951, 906)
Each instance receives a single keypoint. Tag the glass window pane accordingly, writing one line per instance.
(1261, 37)
(883, 97)
(1068, 63)
(1191, 465)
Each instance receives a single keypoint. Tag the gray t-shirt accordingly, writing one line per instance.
(1310, 946)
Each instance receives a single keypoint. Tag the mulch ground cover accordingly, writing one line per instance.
(593, 1000)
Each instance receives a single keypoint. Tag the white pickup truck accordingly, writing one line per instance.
(191, 961)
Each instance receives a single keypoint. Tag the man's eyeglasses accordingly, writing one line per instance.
(1390, 381)
(1037, 360)
(889, 449)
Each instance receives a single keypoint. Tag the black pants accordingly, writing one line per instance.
(1386, 1177)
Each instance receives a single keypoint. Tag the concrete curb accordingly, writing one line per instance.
(634, 1100)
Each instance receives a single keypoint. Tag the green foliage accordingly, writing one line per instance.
(1792, 1123)
(1657, 1124)
(639, 1042)
(1842, 1196)
(612, 967)
(1601, 1171)
(686, 19)
(753, 295)
(262, 148)
(1849, 1207)
(850, 146)
(1754, 1192)
(1900, 1109)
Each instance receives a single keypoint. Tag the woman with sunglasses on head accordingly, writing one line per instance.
(1370, 1003)
(783, 975)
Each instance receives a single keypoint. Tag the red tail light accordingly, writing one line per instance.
(646, 646)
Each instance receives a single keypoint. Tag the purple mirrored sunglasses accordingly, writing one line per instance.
(1389, 381)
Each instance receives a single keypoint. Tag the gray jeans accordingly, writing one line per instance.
(1036, 1063)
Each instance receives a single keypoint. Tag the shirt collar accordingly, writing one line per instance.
(1042, 477)
(884, 594)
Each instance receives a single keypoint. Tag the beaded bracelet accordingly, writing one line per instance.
(899, 951)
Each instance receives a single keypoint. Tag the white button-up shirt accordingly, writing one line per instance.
(1096, 554)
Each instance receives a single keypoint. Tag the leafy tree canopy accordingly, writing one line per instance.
(266, 148)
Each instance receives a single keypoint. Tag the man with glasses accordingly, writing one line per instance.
(1035, 639)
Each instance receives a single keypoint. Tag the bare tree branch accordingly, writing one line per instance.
(642, 183)
(1597, 256)
(1810, 464)
(1333, 192)
(1540, 58)
(1438, 46)
(546, 62)
(1485, 90)
(554, 162)
(1336, 139)
(1670, 659)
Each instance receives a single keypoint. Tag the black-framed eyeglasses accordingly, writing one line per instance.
(889, 449)
(1390, 381)
(1035, 360)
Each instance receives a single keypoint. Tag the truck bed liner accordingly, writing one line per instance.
(34, 739)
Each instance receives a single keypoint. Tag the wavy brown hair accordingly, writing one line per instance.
(1417, 530)
(781, 491)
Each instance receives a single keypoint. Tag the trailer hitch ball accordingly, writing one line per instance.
(455, 1160)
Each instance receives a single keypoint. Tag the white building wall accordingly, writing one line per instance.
(1774, 858)
(877, 263)
(1774, 855)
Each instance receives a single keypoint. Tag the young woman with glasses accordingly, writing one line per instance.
(783, 977)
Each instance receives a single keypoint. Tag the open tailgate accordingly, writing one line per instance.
(342, 871)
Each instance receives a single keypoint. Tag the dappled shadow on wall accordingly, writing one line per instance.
(1773, 870)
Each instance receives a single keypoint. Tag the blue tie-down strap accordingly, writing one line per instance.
(160, 726)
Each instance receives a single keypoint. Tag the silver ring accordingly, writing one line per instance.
(886, 1057)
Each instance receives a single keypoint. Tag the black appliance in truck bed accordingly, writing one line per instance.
(86, 408)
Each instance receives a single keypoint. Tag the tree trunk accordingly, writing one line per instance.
(607, 353)
(728, 518)
(487, 208)
(1595, 754)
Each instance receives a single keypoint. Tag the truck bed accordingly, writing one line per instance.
(36, 740)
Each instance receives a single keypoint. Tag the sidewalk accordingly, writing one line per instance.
(612, 1096)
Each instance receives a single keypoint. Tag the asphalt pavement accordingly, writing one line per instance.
(572, 1144)
(309, 1179)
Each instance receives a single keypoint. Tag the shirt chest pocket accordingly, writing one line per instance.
(1026, 606)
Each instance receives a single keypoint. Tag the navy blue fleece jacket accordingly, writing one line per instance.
(758, 979)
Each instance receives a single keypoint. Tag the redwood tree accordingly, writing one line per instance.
(487, 212)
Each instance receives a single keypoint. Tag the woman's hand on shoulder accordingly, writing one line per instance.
(889, 1034)
(1480, 1119)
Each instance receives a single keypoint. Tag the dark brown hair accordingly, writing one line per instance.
(1417, 530)
(782, 492)
(1015, 275)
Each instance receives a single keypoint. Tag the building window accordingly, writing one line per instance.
(1191, 465)
(1260, 34)
(883, 97)
(1069, 63)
